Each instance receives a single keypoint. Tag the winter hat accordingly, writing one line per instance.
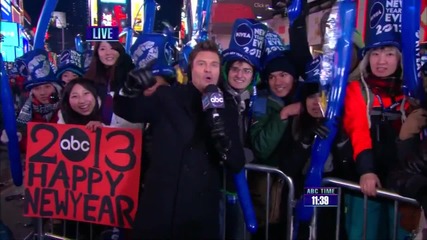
(246, 43)
(273, 47)
(383, 25)
(19, 68)
(154, 49)
(39, 69)
(281, 63)
(70, 60)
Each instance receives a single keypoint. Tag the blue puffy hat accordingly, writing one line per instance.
(87, 59)
(246, 43)
(154, 49)
(70, 60)
(312, 70)
(39, 69)
(273, 47)
(383, 28)
(19, 68)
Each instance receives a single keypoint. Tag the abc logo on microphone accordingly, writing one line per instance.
(217, 100)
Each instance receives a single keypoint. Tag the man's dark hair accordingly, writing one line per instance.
(205, 46)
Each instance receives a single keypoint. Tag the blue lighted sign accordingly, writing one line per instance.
(6, 10)
(9, 30)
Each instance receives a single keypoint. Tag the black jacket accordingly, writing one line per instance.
(182, 185)
(409, 177)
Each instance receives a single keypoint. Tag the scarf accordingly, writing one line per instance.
(240, 99)
(35, 110)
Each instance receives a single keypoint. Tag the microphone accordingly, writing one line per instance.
(212, 101)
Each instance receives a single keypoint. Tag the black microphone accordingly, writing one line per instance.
(212, 101)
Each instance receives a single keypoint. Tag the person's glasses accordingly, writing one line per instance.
(246, 71)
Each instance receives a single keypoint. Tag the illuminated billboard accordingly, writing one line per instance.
(8, 53)
(93, 9)
(10, 32)
(113, 14)
(6, 10)
(137, 13)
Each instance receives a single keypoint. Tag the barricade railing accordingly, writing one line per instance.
(44, 230)
(290, 201)
(381, 193)
(43, 227)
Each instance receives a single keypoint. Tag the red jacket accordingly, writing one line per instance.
(357, 119)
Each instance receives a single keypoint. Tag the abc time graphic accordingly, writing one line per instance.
(75, 174)
(321, 197)
(97, 34)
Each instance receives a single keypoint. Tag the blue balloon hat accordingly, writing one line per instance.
(19, 68)
(273, 47)
(383, 25)
(39, 69)
(154, 49)
(246, 43)
(70, 60)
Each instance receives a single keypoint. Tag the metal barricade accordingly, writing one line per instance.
(290, 201)
(355, 187)
(44, 230)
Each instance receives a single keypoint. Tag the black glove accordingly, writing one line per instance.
(137, 81)
(221, 141)
(321, 130)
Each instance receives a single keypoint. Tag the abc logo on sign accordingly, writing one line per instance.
(243, 34)
(376, 14)
(75, 145)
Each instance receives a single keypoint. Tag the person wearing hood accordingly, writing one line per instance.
(43, 102)
(70, 66)
(374, 109)
(240, 71)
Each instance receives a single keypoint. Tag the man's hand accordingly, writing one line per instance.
(290, 110)
(138, 80)
(369, 182)
(413, 124)
(221, 140)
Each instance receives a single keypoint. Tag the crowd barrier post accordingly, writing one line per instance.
(291, 194)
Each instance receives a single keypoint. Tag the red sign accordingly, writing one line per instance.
(75, 174)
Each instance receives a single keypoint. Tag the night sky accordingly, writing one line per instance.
(169, 11)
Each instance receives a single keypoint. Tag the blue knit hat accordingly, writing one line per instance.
(273, 47)
(383, 28)
(70, 60)
(155, 49)
(246, 43)
(39, 69)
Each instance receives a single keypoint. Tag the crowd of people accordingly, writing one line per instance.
(271, 114)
